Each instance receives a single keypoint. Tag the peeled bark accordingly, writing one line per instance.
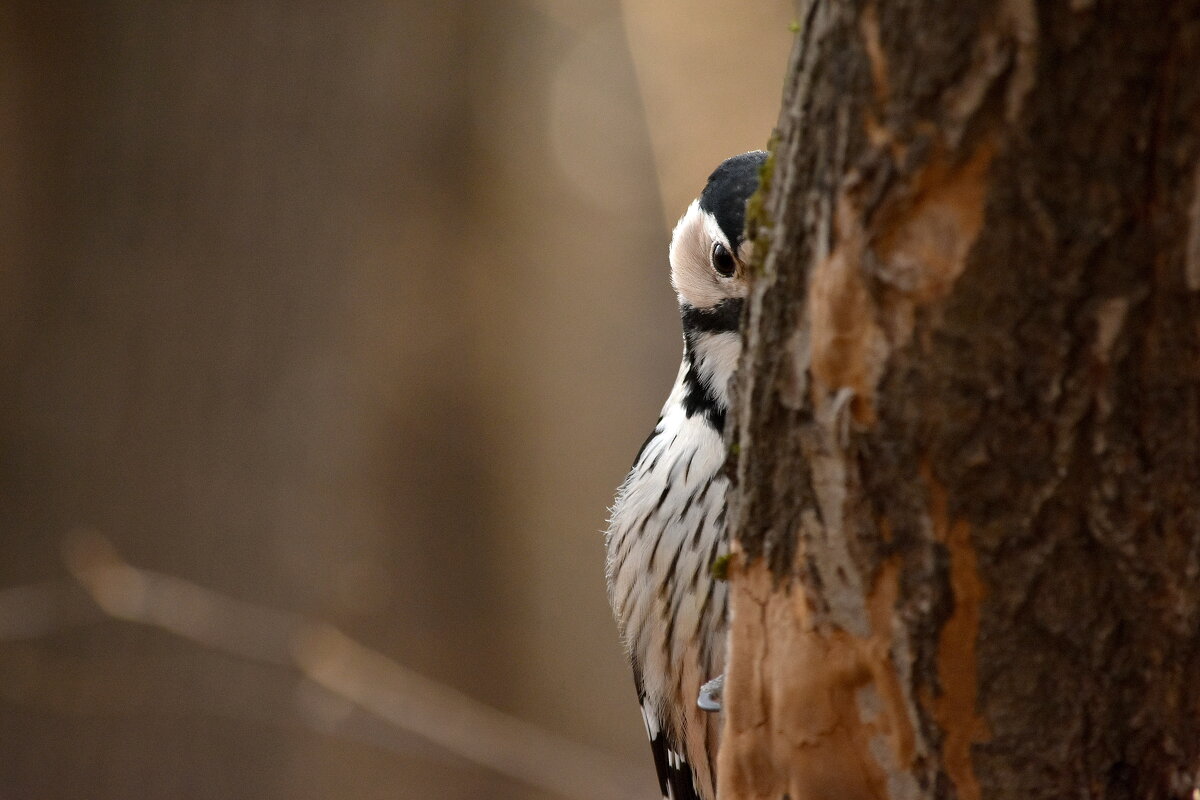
(967, 432)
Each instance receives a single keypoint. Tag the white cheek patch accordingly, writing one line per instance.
(692, 275)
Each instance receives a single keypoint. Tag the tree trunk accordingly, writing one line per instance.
(968, 429)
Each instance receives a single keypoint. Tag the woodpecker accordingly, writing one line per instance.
(667, 526)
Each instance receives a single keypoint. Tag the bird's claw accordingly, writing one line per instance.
(710, 694)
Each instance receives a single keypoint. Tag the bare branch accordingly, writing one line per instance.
(328, 658)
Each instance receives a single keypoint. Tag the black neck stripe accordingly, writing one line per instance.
(724, 317)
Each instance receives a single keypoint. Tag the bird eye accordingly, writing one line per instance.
(722, 260)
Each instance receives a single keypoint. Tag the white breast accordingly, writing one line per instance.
(666, 529)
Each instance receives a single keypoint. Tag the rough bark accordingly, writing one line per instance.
(968, 427)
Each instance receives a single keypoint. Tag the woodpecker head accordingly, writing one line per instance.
(709, 255)
(708, 248)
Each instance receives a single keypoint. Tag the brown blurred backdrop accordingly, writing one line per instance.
(358, 310)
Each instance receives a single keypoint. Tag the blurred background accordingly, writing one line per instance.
(356, 312)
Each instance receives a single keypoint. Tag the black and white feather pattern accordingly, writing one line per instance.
(674, 775)
(666, 530)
